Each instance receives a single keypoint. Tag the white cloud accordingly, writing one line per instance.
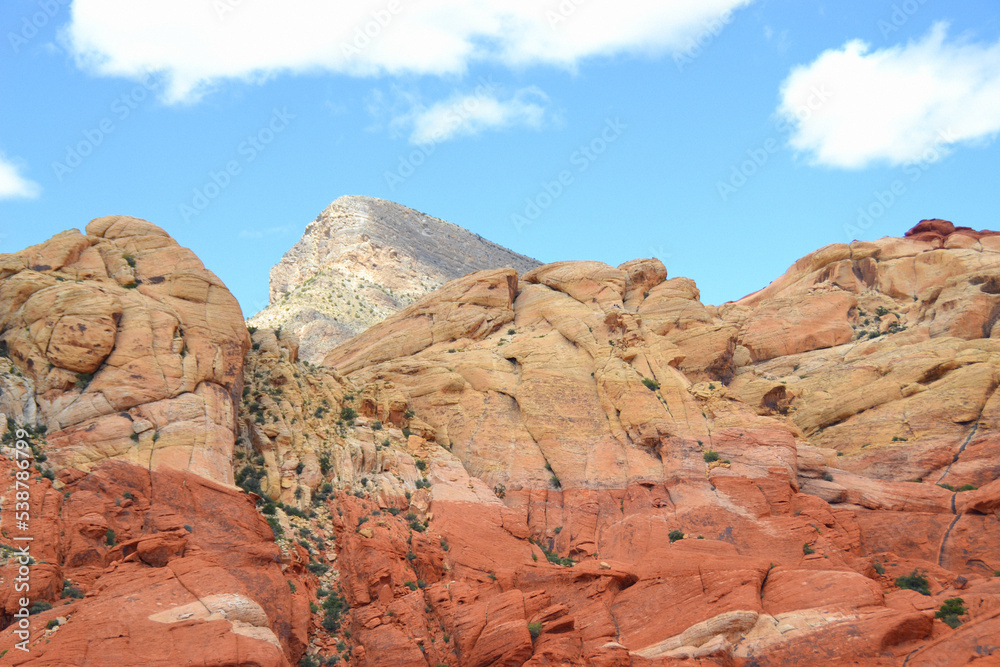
(853, 106)
(12, 184)
(470, 114)
(198, 43)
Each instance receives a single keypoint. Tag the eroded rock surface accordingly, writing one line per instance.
(605, 416)
(133, 349)
(364, 259)
(574, 464)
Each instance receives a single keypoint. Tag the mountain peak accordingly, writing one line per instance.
(363, 259)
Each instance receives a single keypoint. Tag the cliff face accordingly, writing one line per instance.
(364, 259)
(576, 464)
(122, 368)
(741, 484)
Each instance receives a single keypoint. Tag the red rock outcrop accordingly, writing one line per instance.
(151, 568)
(580, 465)
(134, 350)
(605, 417)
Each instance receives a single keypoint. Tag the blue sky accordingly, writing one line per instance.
(726, 137)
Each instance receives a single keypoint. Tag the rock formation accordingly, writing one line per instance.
(364, 259)
(573, 464)
(824, 437)
(133, 350)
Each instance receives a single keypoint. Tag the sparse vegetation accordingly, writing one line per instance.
(950, 611)
(534, 629)
(651, 384)
(675, 535)
(553, 557)
(806, 549)
(334, 606)
(711, 456)
(915, 581)
(38, 607)
(71, 591)
(109, 538)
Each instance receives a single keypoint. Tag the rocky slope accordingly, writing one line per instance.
(364, 259)
(121, 363)
(577, 464)
(741, 485)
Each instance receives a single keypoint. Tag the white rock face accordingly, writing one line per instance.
(364, 259)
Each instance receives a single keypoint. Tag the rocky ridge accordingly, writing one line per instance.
(364, 259)
(577, 465)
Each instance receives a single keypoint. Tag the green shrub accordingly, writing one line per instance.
(52, 623)
(950, 611)
(675, 535)
(879, 568)
(39, 607)
(348, 414)
(500, 490)
(334, 606)
(651, 384)
(109, 538)
(828, 476)
(947, 486)
(967, 487)
(915, 581)
(711, 456)
(318, 569)
(535, 629)
(71, 591)
(806, 549)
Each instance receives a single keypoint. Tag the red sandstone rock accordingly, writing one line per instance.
(597, 470)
